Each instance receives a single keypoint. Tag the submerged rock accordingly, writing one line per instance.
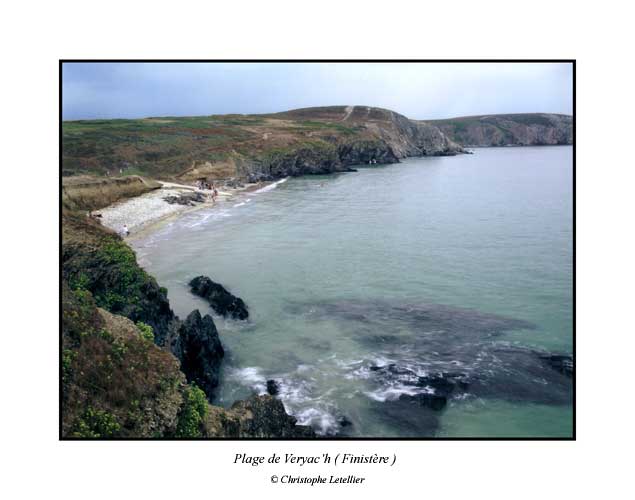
(406, 418)
(199, 349)
(559, 362)
(344, 422)
(222, 301)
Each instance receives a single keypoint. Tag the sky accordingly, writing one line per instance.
(417, 90)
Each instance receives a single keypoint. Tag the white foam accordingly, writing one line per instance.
(322, 421)
(393, 392)
(251, 377)
(271, 186)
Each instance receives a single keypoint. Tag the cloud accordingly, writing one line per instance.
(417, 90)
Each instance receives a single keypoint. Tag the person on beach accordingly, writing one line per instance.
(125, 231)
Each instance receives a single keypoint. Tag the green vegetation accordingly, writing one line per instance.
(149, 146)
(68, 356)
(192, 413)
(116, 382)
(127, 278)
(95, 423)
(146, 331)
(335, 127)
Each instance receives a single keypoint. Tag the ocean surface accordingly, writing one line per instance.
(368, 291)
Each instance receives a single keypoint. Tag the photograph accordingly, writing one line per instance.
(317, 249)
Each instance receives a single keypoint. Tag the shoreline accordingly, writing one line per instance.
(148, 212)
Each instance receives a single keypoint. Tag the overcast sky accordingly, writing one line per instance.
(417, 90)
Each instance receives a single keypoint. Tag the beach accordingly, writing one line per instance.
(144, 213)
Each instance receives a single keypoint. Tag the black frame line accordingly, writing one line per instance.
(334, 438)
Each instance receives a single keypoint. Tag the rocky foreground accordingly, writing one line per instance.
(131, 367)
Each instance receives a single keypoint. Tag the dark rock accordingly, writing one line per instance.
(222, 301)
(363, 152)
(272, 387)
(560, 363)
(436, 388)
(268, 418)
(432, 401)
(443, 383)
(190, 199)
(344, 422)
(199, 349)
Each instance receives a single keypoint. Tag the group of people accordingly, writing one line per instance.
(206, 186)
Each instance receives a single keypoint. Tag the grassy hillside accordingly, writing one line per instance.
(164, 147)
(221, 147)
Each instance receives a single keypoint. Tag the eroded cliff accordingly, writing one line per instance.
(530, 129)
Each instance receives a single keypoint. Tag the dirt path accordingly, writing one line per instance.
(349, 110)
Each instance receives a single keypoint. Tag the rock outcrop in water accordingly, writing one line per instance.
(222, 301)
(198, 347)
(432, 390)
(273, 388)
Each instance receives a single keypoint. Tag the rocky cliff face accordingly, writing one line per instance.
(366, 135)
(535, 129)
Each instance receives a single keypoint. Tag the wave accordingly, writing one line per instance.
(271, 186)
(298, 395)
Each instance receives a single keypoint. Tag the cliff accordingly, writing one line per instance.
(532, 129)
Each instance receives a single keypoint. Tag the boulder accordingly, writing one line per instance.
(222, 301)
(272, 387)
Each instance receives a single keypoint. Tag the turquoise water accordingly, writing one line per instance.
(456, 265)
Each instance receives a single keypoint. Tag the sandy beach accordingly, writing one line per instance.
(145, 212)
